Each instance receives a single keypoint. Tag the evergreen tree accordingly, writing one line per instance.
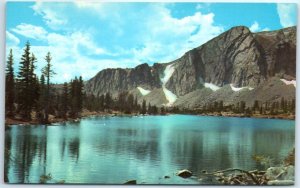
(107, 101)
(65, 100)
(101, 102)
(256, 105)
(162, 110)
(130, 103)
(144, 108)
(76, 96)
(80, 94)
(293, 106)
(24, 86)
(242, 107)
(135, 105)
(42, 100)
(10, 86)
(149, 109)
(48, 72)
(34, 82)
(221, 106)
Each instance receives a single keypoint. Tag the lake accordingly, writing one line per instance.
(112, 150)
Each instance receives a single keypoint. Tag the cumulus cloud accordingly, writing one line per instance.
(148, 33)
(287, 13)
(69, 53)
(30, 31)
(168, 38)
(49, 12)
(11, 40)
(255, 27)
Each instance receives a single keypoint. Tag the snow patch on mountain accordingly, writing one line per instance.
(171, 97)
(169, 70)
(211, 86)
(143, 91)
(287, 82)
(240, 88)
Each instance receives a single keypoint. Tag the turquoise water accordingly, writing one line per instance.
(111, 150)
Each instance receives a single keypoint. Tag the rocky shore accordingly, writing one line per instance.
(281, 175)
(53, 119)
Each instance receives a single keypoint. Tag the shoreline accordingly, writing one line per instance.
(84, 114)
(260, 116)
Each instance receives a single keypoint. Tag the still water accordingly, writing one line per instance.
(111, 150)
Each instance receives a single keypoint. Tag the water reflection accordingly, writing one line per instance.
(113, 150)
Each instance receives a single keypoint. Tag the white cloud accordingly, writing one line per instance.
(203, 6)
(255, 27)
(169, 38)
(199, 6)
(49, 13)
(30, 31)
(153, 33)
(11, 40)
(87, 4)
(69, 53)
(266, 29)
(287, 14)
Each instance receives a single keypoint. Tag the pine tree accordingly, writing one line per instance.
(65, 99)
(149, 109)
(10, 86)
(144, 108)
(73, 97)
(242, 107)
(24, 87)
(80, 94)
(107, 101)
(130, 103)
(48, 72)
(135, 105)
(162, 110)
(101, 102)
(33, 82)
(42, 100)
(293, 106)
(76, 96)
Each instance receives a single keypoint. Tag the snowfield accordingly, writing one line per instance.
(171, 97)
(239, 88)
(289, 82)
(211, 86)
(143, 91)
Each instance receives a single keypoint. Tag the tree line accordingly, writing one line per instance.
(31, 97)
(282, 106)
(125, 102)
(28, 96)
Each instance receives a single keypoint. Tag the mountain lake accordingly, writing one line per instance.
(112, 150)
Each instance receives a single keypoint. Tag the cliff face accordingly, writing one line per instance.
(231, 58)
(116, 80)
(279, 50)
(237, 57)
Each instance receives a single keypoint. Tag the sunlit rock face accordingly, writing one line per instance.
(237, 58)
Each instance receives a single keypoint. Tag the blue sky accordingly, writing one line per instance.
(85, 37)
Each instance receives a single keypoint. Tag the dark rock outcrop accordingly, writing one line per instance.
(184, 173)
(130, 182)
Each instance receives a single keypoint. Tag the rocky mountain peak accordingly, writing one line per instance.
(237, 58)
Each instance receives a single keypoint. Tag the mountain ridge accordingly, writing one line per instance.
(237, 57)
